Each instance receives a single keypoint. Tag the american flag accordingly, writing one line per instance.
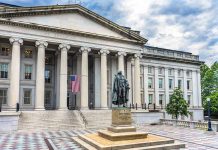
(75, 83)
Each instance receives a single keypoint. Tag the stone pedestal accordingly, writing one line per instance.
(122, 135)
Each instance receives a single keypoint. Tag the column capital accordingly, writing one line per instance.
(64, 46)
(104, 51)
(16, 40)
(41, 43)
(121, 53)
(138, 55)
(85, 49)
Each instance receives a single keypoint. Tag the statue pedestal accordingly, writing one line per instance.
(122, 135)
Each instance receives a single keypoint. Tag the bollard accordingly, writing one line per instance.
(133, 106)
(136, 106)
(130, 106)
(0, 105)
(148, 105)
(17, 107)
(145, 106)
(154, 106)
(142, 106)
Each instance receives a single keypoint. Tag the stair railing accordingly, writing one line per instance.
(85, 122)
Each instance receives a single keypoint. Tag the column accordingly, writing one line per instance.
(15, 73)
(194, 89)
(156, 86)
(121, 62)
(84, 77)
(146, 85)
(63, 76)
(104, 53)
(175, 78)
(185, 85)
(199, 89)
(137, 90)
(40, 79)
(166, 86)
(129, 79)
(97, 82)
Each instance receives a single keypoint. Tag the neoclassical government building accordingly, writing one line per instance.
(41, 47)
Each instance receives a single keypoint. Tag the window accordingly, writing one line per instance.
(179, 84)
(28, 72)
(180, 72)
(188, 85)
(5, 51)
(27, 96)
(150, 83)
(28, 53)
(160, 70)
(48, 60)
(161, 99)
(170, 72)
(141, 69)
(3, 96)
(189, 99)
(170, 83)
(188, 73)
(150, 98)
(4, 71)
(47, 76)
(149, 69)
(160, 83)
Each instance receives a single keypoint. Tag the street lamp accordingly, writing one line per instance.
(209, 119)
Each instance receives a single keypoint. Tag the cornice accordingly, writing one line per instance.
(44, 10)
(172, 59)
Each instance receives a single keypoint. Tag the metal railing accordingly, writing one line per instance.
(85, 122)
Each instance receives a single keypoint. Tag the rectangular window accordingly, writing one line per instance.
(179, 84)
(47, 76)
(149, 69)
(4, 70)
(180, 72)
(5, 51)
(187, 73)
(161, 99)
(150, 83)
(170, 72)
(28, 72)
(160, 70)
(188, 85)
(28, 53)
(3, 96)
(160, 83)
(27, 96)
(150, 98)
(189, 99)
(170, 83)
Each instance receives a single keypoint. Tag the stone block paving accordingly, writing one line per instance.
(30, 140)
(61, 140)
(194, 139)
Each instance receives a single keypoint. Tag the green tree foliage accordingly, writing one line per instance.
(209, 86)
(177, 105)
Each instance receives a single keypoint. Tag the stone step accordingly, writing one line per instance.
(83, 144)
(175, 145)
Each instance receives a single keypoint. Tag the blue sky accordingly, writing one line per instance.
(187, 25)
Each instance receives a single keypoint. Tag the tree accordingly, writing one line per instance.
(209, 84)
(177, 105)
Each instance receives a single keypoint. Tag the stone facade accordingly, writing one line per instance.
(41, 49)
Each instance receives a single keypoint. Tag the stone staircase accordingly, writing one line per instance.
(50, 120)
(97, 118)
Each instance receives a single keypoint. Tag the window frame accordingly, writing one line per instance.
(30, 97)
(4, 63)
(4, 96)
(152, 84)
(31, 72)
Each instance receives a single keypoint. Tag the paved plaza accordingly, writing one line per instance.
(61, 140)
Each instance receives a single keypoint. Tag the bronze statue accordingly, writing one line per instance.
(120, 90)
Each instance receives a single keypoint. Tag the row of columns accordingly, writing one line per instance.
(40, 81)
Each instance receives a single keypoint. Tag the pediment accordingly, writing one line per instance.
(72, 17)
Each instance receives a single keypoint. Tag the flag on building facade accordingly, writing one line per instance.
(75, 83)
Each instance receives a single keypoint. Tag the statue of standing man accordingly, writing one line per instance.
(120, 94)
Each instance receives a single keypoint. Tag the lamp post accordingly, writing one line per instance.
(209, 119)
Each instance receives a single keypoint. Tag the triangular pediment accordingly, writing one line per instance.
(71, 17)
(72, 21)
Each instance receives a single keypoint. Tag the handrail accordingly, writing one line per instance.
(85, 122)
